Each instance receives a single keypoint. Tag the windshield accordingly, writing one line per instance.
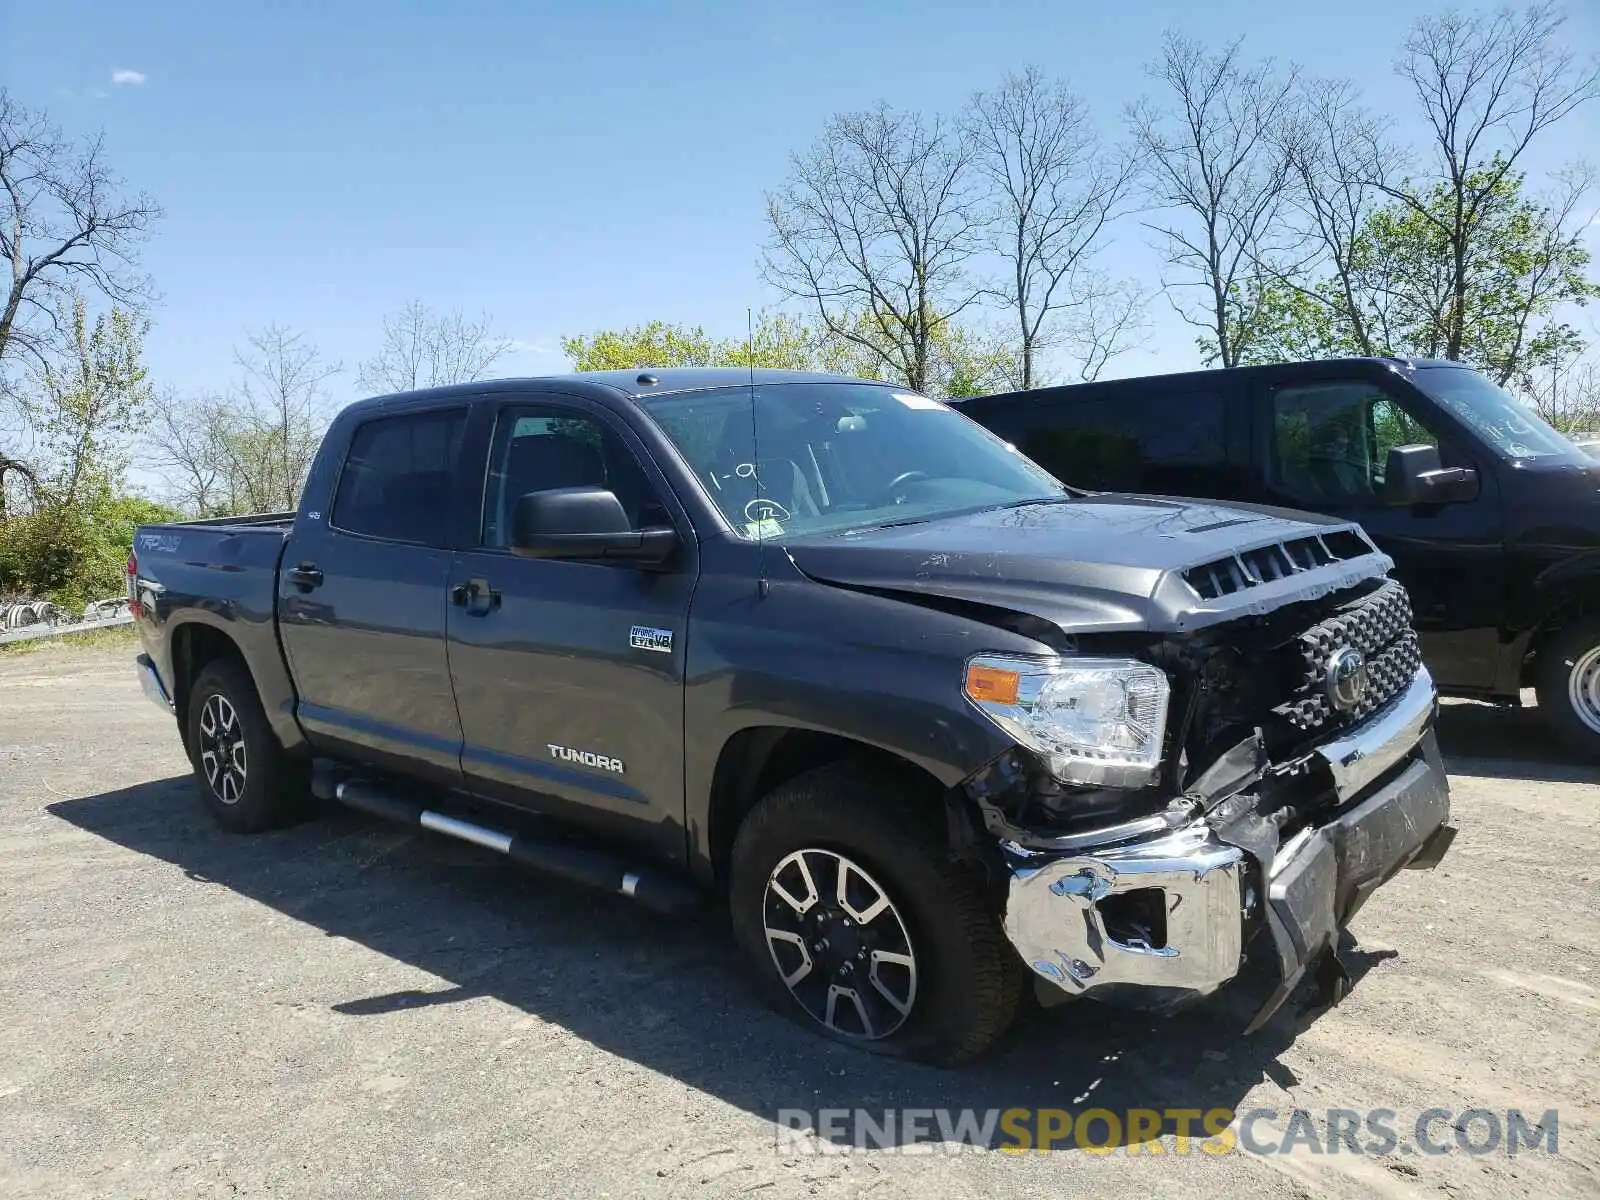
(1511, 428)
(840, 456)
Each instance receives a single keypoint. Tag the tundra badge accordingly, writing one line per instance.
(587, 758)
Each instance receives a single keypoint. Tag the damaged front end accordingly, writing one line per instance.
(1152, 897)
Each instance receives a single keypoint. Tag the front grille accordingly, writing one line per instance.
(1277, 560)
(1379, 625)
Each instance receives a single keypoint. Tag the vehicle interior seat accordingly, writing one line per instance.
(538, 462)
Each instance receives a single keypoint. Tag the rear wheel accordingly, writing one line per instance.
(846, 903)
(246, 780)
(1568, 682)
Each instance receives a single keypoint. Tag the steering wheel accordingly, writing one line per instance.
(900, 480)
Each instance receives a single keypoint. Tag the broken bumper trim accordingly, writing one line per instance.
(1356, 758)
(1227, 873)
(1056, 919)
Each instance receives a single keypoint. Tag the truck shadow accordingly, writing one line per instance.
(1506, 743)
(670, 995)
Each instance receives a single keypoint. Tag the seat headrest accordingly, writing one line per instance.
(551, 460)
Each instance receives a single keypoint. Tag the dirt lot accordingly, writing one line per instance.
(354, 1009)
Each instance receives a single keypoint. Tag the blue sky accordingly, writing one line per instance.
(564, 166)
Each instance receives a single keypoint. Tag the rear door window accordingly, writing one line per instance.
(399, 478)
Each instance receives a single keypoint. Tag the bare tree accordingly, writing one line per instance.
(1567, 395)
(283, 406)
(1055, 189)
(1109, 320)
(876, 227)
(423, 349)
(65, 226)
(186, 447)
(1213, 159)
(1338, 157)
(1488, 85)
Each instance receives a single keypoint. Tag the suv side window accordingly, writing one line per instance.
(1331, 440)
(539, 448)
(1165, 442)
(398, 478)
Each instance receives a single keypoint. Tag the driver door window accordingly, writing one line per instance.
(536, 449)
(1331, 441)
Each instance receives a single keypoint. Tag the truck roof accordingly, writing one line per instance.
(635, 384)
(1211, 373)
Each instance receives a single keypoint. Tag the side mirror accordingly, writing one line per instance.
(583, 522)
(1413, 475)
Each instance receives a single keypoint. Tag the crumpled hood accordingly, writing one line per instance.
(1092, 564)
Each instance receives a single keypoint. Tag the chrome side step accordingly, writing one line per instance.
(655, 889)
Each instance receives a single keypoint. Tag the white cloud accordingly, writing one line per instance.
(125, 78)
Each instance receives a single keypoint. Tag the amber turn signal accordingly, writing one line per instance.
(992, 684)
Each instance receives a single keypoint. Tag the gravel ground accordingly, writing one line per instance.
(353, 1009)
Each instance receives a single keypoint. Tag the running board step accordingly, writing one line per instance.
(593, 868)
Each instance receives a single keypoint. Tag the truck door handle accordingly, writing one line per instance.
(476, 596)
(305, 576)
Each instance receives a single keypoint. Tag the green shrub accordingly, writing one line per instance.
(74, 555)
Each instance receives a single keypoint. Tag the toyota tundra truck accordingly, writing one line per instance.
(936, 727)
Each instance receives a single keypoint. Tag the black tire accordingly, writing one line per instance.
(247, 782)
(967, 979)
(1567, 678)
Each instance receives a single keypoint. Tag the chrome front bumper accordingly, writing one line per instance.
(1227, 873)
(150, 682)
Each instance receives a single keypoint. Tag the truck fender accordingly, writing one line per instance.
(276, 690)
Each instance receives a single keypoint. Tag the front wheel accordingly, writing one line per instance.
(1568, 682)
(846, 903)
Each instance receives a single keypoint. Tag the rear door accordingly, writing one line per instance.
(569, 674)
(1324, 438)
(362, 598)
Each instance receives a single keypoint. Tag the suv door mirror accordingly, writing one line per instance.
(1413, 475)
(583, 522)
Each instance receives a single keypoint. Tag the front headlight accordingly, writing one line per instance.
(1094, 720)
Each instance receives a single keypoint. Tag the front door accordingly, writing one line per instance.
(362, 599)
(569, 674)
(1328, 442)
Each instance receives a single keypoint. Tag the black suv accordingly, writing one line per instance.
(1491, 516)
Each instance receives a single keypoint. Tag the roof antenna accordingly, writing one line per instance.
(755, 454)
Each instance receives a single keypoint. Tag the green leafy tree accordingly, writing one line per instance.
(1489, 84)
(1401, 290)
(82, 407)
(959, 360)
(778, 340)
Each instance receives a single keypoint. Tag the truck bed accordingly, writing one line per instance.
(220, 573)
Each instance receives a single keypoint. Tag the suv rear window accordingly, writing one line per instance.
(397, 481)
(1165, 442)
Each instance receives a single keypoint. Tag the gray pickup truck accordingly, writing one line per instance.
(930, 722)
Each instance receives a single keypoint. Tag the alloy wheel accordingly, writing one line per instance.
(222, 751)
(839, 944)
